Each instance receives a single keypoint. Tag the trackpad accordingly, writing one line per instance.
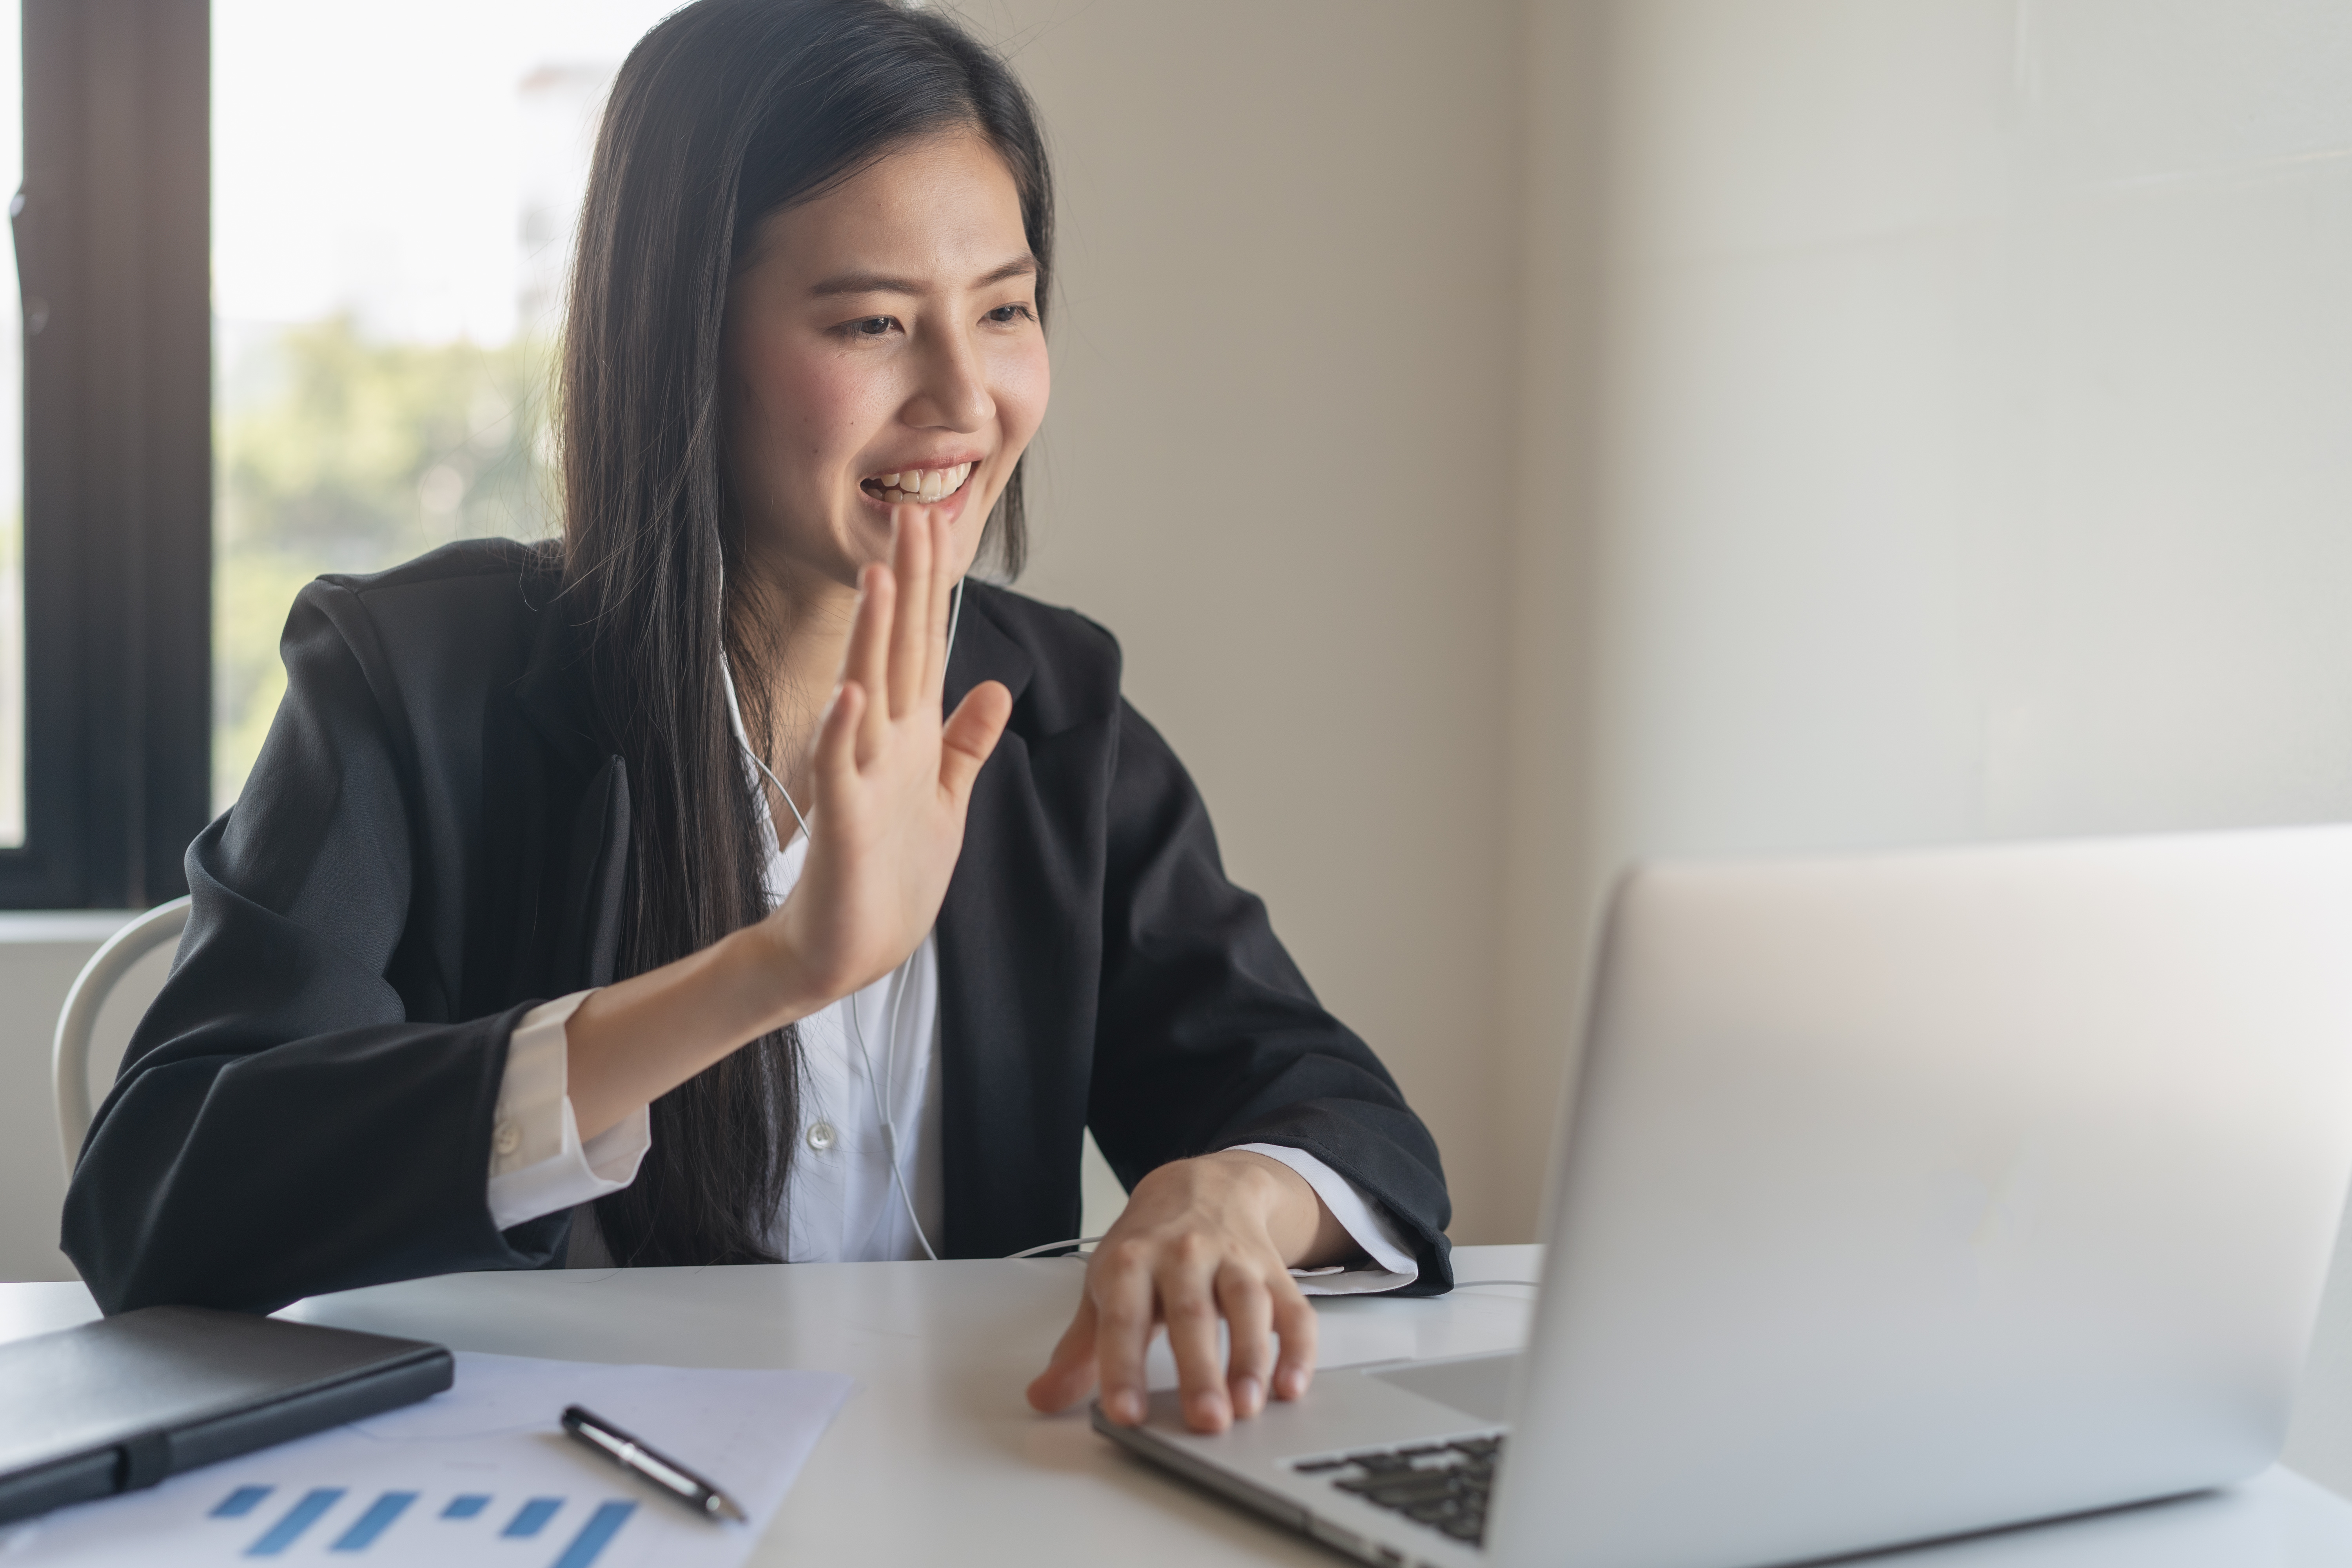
(1477, 1385)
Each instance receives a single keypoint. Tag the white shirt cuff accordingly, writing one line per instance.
(537, 1163)
(1367, 1223)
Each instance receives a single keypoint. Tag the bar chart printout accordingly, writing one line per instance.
(480, 1475)
(594, 1530)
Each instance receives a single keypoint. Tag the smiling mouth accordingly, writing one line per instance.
(918, 486)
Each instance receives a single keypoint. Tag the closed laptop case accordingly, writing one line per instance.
(123, 1402)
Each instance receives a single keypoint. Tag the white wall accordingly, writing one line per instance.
(1511, 439)
(39, 956)
(1981, 381)
(1969, 449)
(1970, 386)
(1278, 466)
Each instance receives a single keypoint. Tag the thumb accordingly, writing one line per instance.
(971, 735)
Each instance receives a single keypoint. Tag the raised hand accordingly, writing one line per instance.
(891, 781)
(892, 784)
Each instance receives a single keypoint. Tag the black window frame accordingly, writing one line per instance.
(113, 229)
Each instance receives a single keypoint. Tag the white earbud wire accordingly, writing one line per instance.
(1053, 1247)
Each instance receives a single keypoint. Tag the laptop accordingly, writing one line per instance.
(1900, 1197)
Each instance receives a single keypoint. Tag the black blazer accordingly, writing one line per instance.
(433, 842)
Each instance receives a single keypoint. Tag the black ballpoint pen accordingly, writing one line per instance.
(656, 1467)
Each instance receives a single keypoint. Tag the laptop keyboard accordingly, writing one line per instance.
(1442, 1485)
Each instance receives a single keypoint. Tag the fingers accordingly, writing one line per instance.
(1188, 1300)
(1121, 1286)
(866, 663)
(935, 644)
(910, 562)
(1294, 1319)
(898, 642)
(1193, 1250)
(836, 745)
(970, 736)
(1114, 1325)
(1248, 1308)
(1070, 1374)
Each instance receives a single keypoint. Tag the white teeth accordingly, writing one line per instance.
(922, 486)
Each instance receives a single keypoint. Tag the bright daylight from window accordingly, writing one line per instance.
(394, 193)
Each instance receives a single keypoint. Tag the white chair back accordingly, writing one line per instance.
(69, 1055)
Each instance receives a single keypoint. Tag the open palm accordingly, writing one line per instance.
(892, 782)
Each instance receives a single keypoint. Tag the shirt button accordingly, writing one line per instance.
(821, 1136)
(508, 1138)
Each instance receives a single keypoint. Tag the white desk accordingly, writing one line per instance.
(936, 1459)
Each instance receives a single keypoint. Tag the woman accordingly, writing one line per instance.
(858, 890)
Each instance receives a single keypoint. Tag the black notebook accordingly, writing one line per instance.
(123, 1402)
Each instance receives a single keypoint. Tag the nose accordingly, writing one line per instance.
(952, 393)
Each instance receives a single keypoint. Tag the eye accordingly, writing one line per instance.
(1005, 315)
(873, 326)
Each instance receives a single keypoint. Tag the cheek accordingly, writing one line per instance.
(808, 413)
(1023, 380)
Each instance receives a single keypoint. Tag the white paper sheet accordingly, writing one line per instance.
(480, 1475)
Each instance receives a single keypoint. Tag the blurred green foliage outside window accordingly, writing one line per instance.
(395, 189)
(337, 454)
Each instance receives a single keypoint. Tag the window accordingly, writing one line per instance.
(112, 555)
(290, 275)
(394, 191)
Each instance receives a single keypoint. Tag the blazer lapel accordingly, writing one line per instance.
(982, 652)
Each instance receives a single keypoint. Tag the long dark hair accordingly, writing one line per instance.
(725, 113)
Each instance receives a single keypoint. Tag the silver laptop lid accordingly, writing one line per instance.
(1913, 1194)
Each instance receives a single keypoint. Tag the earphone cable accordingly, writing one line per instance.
(881, 1112)
(1053, 1247)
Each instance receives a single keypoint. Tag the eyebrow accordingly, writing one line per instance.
(882, 283)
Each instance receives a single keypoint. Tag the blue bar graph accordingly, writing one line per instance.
(601, 1526)
(298, 1518)
(532, 1517)
(373, 1522)
(582, 1551)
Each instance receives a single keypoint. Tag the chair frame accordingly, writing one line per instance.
(69, 1052)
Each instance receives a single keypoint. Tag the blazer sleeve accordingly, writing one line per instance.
(280, 1126)
(1209, 1036)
